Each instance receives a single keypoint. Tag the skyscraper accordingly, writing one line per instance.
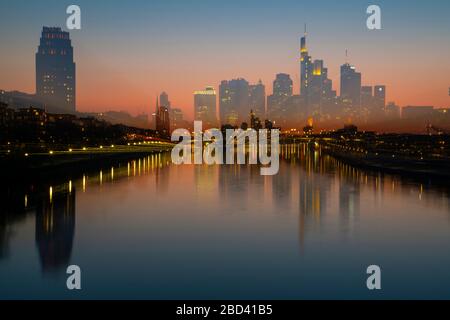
(306, 70)
(278, 103)
(366, 101)
(55, 71)
(350, 87)
(317, 97)
(176, 118)
(164, 100)
(366, 97)
(162, 121)
(315, 90)
(320, 92)
(234, 101)
(205, 107)
(282, 85)
(257, 99)
(379, 97)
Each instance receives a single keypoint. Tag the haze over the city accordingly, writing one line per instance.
(128, 52)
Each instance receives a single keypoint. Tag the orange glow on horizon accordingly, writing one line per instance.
(132, 86)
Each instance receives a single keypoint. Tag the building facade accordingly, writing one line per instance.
(55, 71)
(350, 89)
(279, 103)
(205, 107)
(162, 119)
(237, 98)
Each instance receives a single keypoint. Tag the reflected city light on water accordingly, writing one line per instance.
(158, 219)
(84, 183)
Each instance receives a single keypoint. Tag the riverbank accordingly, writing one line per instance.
(72, 161)
(426, 168)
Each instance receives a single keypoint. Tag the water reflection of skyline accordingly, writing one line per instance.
(53, 204)
(311, 185)
(55, 230)
(322, 175)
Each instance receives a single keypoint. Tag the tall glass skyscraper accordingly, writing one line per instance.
(234, 101)
(306, 70)
(162, 118)
(55, 71)
(164, 100)
(279, 103)
(379, 96)
(316, 89)
(238, 98)
(205, 107)
(351, 87)
(257, 99)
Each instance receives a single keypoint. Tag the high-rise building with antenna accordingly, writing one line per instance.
(315, 88)
(306, 69)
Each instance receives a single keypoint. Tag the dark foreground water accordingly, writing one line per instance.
(149, 229)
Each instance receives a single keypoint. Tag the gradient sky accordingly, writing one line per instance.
(128, 51)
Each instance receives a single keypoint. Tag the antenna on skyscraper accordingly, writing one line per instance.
(346, 56)
(305, 30)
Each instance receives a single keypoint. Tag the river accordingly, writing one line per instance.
(148, 229)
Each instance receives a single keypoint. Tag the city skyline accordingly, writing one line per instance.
(137, 95)
(275, 150)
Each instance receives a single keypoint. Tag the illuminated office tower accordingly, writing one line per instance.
(234, 101)
(257, 99)
(55, 71)
(366, 97)
(278, 104)
(320, 93)
(366, 101)
(162, 119)
(205, 107)
(306, 70)
(176, 118)
(350, 87)
(282, 85)
(316, 86)
(379, 97)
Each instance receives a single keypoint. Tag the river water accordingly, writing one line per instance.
(148, 229)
